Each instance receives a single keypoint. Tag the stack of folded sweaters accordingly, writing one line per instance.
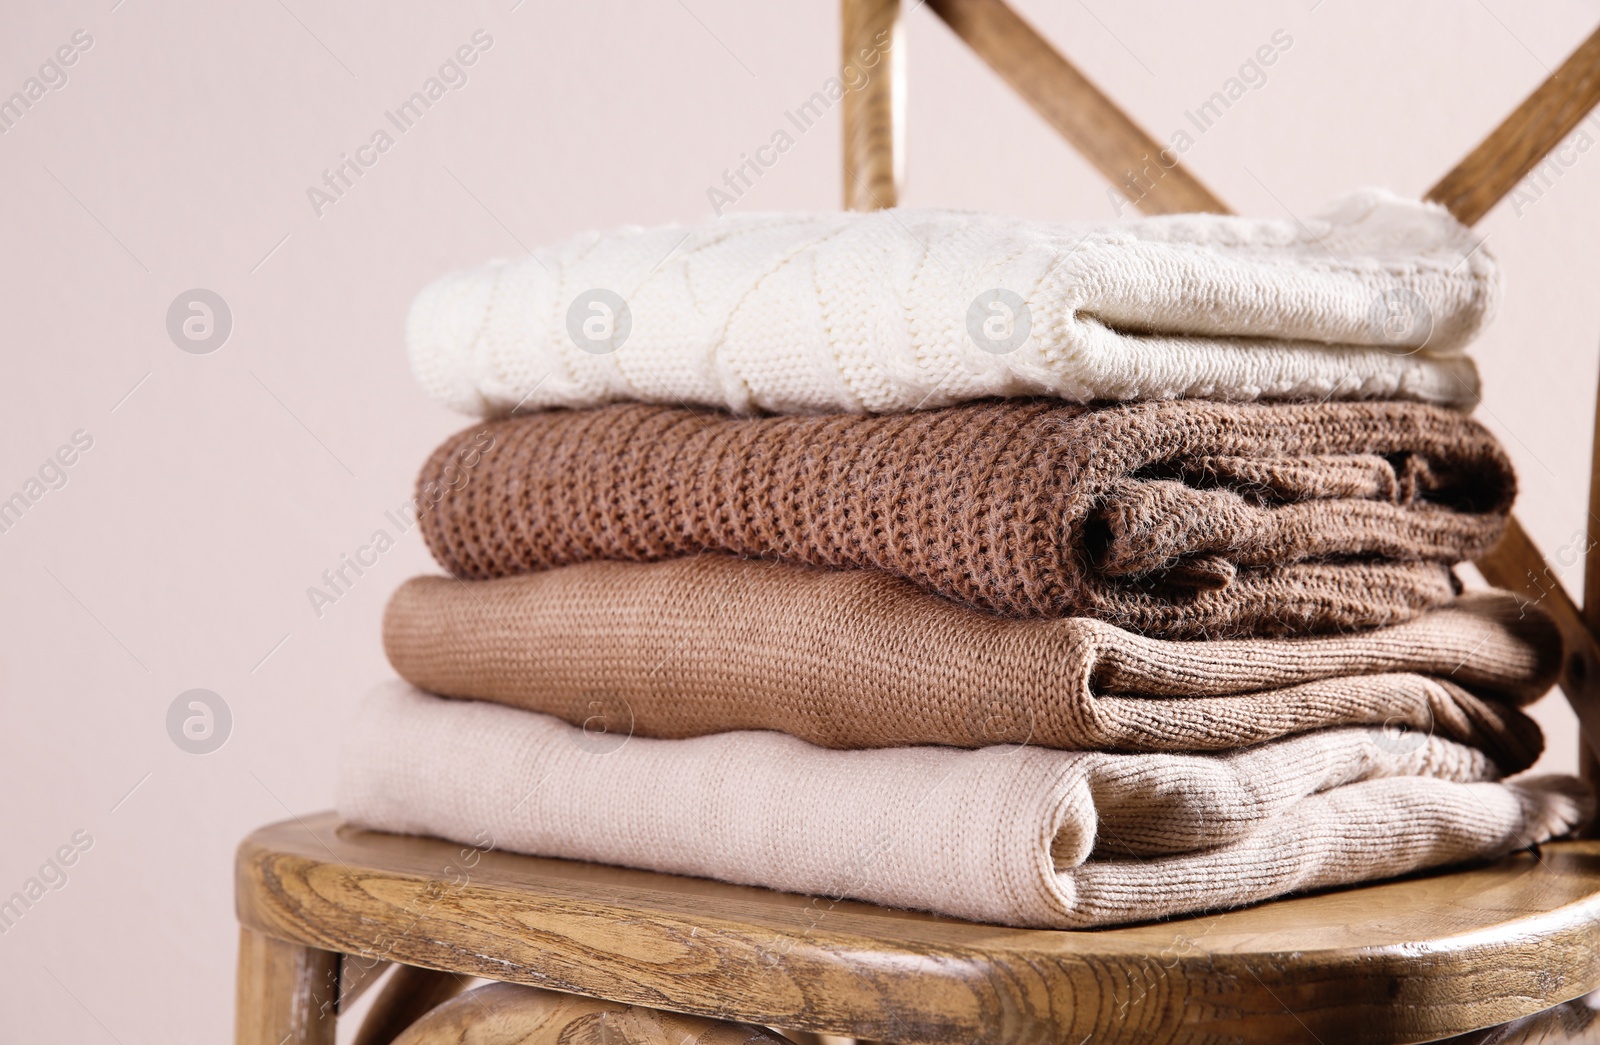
(1033, 574)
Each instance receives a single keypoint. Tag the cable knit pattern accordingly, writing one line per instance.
(1016, 835)
(1129, 514)
(857, 658)
(851, 312)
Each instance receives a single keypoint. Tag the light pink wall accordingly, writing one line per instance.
(178, 154)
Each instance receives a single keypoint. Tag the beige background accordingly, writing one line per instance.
(178, 154)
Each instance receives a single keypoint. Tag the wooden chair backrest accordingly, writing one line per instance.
(1094, 125)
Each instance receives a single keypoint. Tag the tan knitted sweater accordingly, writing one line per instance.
(859, 658)
(1184, 519)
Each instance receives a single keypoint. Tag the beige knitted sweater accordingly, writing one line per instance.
(1011, 834)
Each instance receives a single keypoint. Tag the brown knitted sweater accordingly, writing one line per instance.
(1185, 519)
(860, 658)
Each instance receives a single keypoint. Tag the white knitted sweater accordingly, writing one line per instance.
(901, 310)
(1019, 835)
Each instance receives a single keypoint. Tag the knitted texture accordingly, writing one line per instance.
(900, 310)
(1017, 835)
(1184, 519)
(858, 659)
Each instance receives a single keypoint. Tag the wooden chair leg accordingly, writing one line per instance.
(1568, 1024)
(286, 993)
(510, 1014)
(357, 975)
(408, 995)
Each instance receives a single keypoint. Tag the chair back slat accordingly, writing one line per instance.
(1516, 564)
(1523, 139)
(870, 55)
(1090, 121)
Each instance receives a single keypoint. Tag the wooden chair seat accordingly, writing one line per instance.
(1406, 961)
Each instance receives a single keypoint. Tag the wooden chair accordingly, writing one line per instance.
(606, 954)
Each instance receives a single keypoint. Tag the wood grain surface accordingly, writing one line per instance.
(1588, 759)
(509, 1014)
(869, 49)
(1402, 961)
(407, 995)
(357, 978)
(286, 992)
(1570, 1023)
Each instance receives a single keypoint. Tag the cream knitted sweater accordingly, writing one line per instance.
(1013, 834)
(901, 310)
